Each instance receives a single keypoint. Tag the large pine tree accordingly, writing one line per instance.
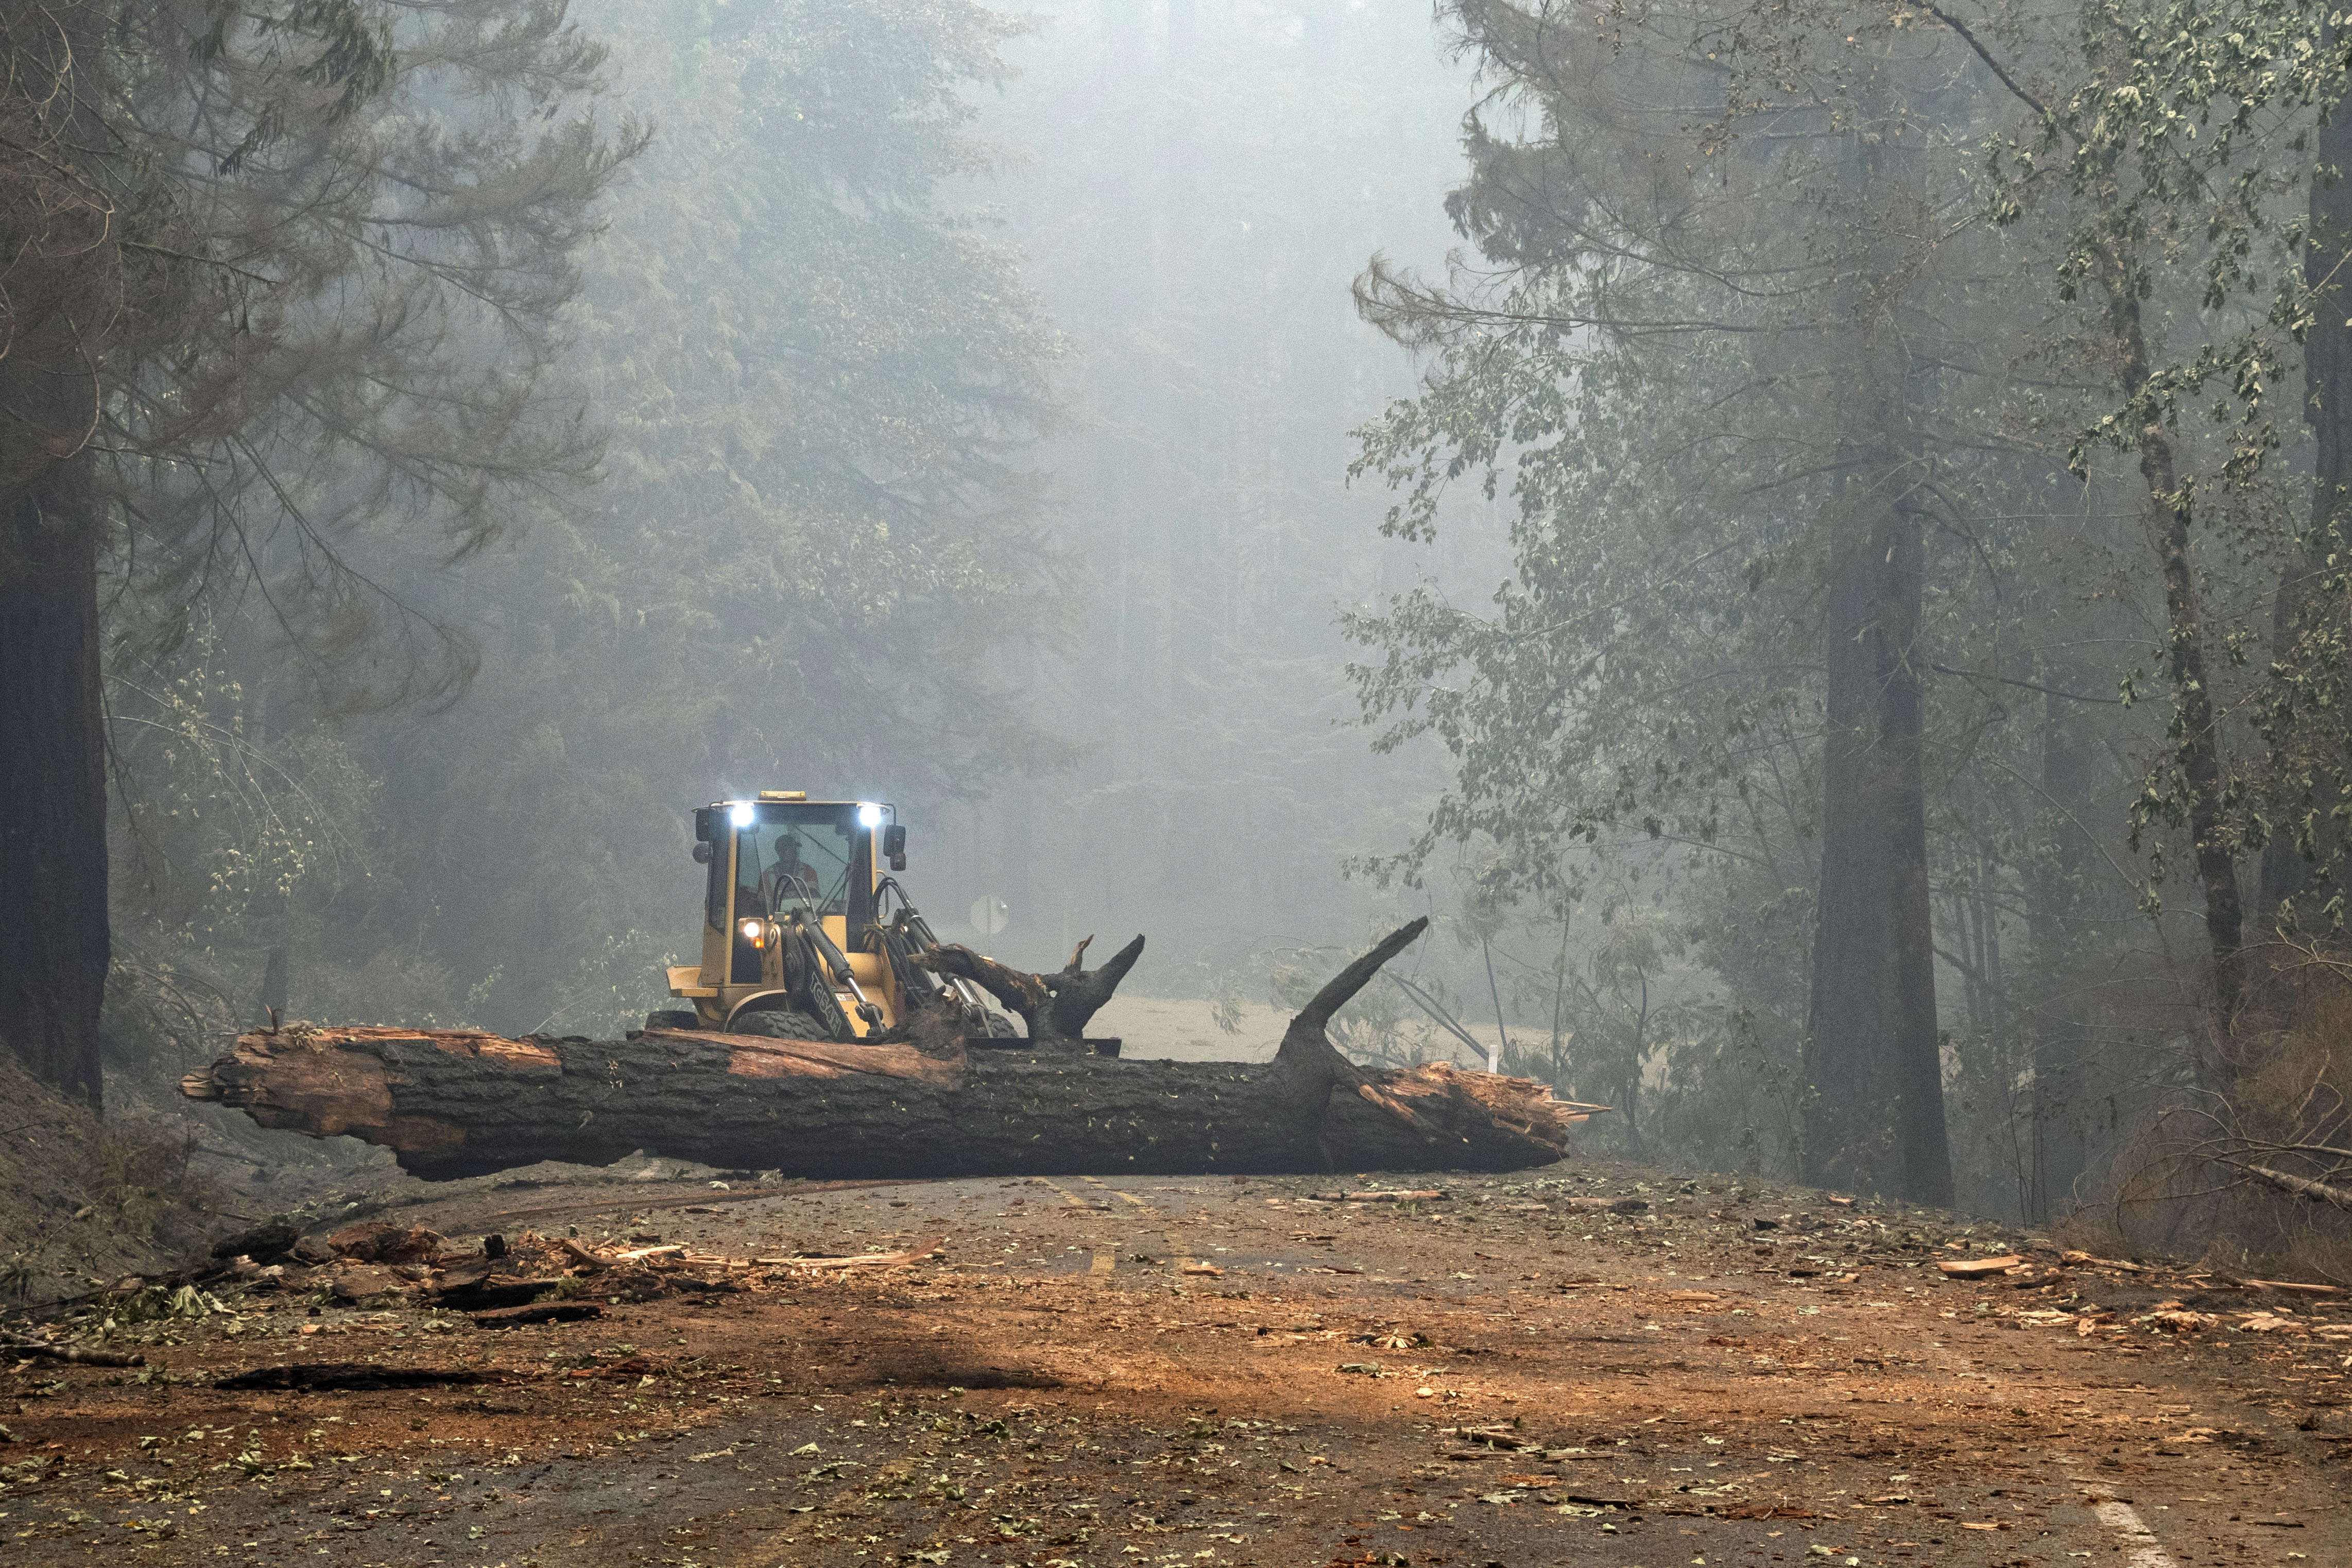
(278, 273)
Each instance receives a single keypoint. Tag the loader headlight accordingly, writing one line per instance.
(755, 932)
(869, 815)
(744, 816)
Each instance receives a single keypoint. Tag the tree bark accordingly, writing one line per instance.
(1874, 1120)
(1875, 1112)
(453, 1104)
(2311, 837)
(2060, 1147)
(55, 944)
(2196, 743)
(1055, 1008)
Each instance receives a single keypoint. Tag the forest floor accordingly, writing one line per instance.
(1731, 1375)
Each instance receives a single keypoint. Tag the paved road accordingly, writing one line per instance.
(1497, 1377)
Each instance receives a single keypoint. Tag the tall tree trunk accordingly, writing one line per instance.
(2061, 1144)
(2194, 731)
(2328, 409)
(54, 941)
(1874, 1112)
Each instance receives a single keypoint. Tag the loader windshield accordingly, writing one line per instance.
(796, 856)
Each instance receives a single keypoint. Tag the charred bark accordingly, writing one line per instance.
(1874, 1116)
(2304, 627)
(2061, 1151)
(55, 942)
(1055, 1008)
(453, 1104)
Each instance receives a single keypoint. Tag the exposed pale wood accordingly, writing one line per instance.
(759, 1056)
(2087, 1259)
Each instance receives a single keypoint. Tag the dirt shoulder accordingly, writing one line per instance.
(1517, 1373)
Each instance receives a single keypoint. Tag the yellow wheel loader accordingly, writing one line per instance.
(805, 935)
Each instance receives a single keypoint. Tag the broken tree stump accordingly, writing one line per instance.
(451, 1103)
(1055, 1008)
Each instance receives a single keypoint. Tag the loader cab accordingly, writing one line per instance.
(768, 857)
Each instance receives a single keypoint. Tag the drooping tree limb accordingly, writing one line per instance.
(2303, 1187)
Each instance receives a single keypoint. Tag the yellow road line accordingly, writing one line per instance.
(1073, 1199)
(1131, 1197)
(1104, 1262)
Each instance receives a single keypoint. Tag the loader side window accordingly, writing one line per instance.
(711, 837)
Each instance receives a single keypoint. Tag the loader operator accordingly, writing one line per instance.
(788, 877)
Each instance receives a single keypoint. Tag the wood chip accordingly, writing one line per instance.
(592, 1262)
(1976, 1268)
(2087, 1259)
(862, 1259)
(1398, 1195)
(538, 1312)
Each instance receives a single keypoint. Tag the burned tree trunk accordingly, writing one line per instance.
(452, 1104)
(1055, 1008)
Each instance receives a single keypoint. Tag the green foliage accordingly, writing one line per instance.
(1653, 374)
(1623, 681)
(342, 351)
(1376, 1028)
(137, 1177)
(812, 542)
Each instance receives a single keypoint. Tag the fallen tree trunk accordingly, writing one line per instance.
(455, 1103)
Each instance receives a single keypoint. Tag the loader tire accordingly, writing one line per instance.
(988, 1024)
(672, 1017)
(778, 1023)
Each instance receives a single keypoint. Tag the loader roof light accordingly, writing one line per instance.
(869, 815)
(744, 814)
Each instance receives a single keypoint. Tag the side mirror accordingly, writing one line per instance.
(702, 854)
(894, 844)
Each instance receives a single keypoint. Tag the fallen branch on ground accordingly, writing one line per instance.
(69, 1352)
